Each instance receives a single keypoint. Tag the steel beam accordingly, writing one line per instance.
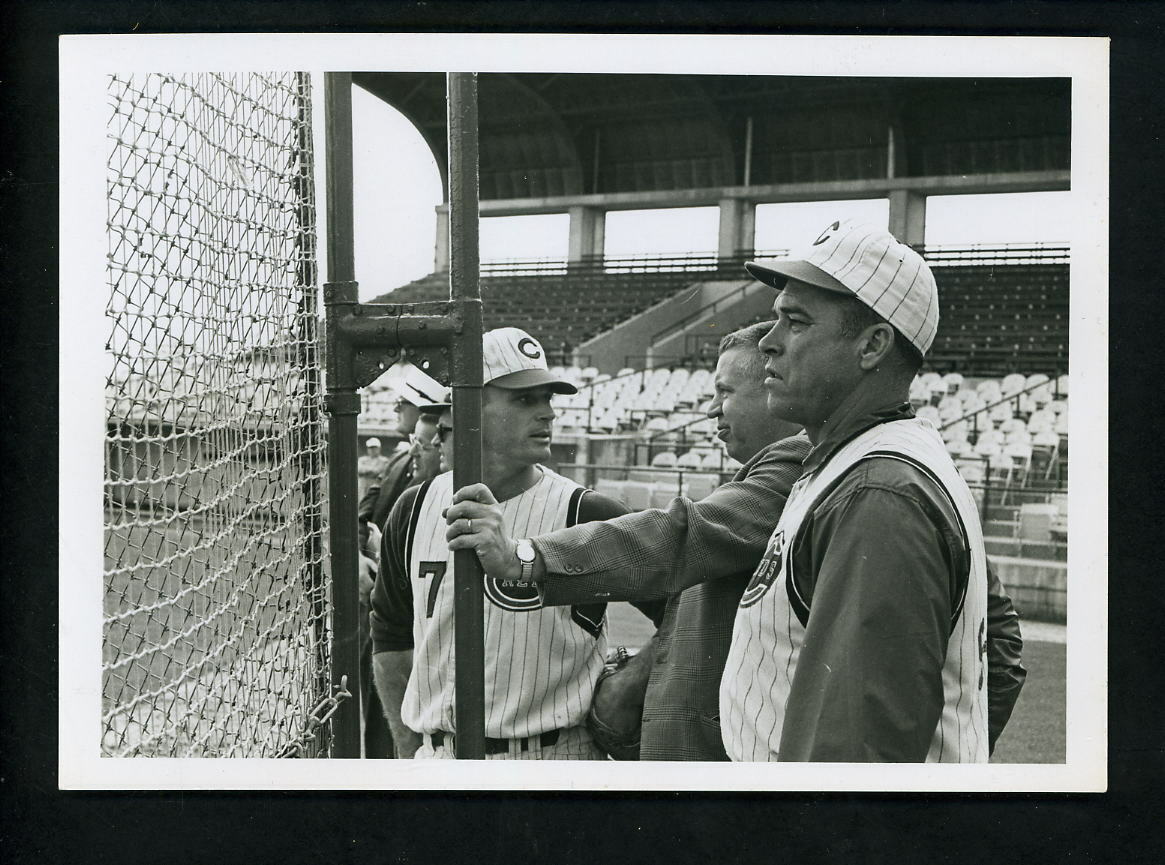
(466, 368)
(342, 404)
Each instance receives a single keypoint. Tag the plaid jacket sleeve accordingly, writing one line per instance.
(658, 552)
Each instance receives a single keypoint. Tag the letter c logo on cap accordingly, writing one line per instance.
(826, 234)
(528, 347)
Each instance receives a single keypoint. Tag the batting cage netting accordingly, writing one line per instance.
(217, 598)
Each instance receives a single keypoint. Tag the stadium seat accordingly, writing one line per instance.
(690, 460)
(930, 413)
(953, 381)
(713, 461)
(955, 431)
(637, 494)
(990, 437)
(989, 390)
(988, 448)
(1020, 435)
(664, 459)
(972, 469)
(948, 403)
(1012, 424)
(698, 486)
(959, 447)
(611, 488)
(1019, 455)
(656, 425)
(1040, 420)
(1000, 413)
(1013, 383)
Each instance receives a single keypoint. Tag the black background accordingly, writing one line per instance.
(40, 824)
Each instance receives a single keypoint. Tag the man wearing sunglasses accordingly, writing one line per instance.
(541, 663)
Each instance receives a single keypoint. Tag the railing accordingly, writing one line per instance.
(664, 262)
(590, 473)
(937, 255)
(995, 253)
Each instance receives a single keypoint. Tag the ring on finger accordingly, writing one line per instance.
(468, 526)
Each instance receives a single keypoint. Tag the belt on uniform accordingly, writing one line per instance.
(501, 746)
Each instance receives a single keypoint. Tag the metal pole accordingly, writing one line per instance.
(343, 404)
(466, 369)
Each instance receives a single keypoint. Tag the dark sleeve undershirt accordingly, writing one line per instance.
(391, 619)
(868, 685)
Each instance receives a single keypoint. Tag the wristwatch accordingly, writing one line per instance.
(525, 554)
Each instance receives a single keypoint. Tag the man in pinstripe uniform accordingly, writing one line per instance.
(541, 663)
(862, 634)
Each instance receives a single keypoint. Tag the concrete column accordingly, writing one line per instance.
(908, 216)
(441, 242)
(737, 226)
(587, 226)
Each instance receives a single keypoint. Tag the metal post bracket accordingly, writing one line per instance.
(365, 339)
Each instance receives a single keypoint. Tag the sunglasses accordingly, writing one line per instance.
(443, 431)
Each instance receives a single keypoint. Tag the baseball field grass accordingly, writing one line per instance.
(1035, 733)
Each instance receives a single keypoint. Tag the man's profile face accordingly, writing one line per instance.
(443, 439)
(516, 425)
(810, 367)
(739, 406)
(407, 416)
(426, 452)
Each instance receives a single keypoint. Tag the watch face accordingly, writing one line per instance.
(525, 551)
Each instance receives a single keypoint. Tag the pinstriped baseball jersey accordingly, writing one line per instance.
(769, 630)
(541, 663)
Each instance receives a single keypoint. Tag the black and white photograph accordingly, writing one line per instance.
(693, 409)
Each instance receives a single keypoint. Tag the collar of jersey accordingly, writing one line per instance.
(851, 420)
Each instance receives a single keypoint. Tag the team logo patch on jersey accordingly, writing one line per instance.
(515, 595)
(766, 572)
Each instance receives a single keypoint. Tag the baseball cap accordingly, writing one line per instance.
(513, 359)
(870, 264)
(372, 443)
(422, 390)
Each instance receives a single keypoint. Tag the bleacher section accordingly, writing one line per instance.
(562, 308)
(997, 317)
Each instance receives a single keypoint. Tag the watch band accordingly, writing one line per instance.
(525, 556)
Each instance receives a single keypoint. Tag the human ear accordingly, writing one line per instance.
(876, 343)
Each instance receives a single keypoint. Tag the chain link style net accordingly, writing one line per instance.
(216, 612)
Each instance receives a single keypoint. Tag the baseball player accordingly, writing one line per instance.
(541, 663)
(862, 633)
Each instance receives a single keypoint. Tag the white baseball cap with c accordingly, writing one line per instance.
(870, 264)
(513, 359)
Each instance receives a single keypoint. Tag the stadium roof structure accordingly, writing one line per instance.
(614, 138)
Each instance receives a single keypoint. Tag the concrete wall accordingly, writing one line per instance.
(757, 299)
(631, 339)
(1038, 588)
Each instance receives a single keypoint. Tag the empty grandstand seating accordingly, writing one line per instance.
(1000, 318)
(562, 308)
